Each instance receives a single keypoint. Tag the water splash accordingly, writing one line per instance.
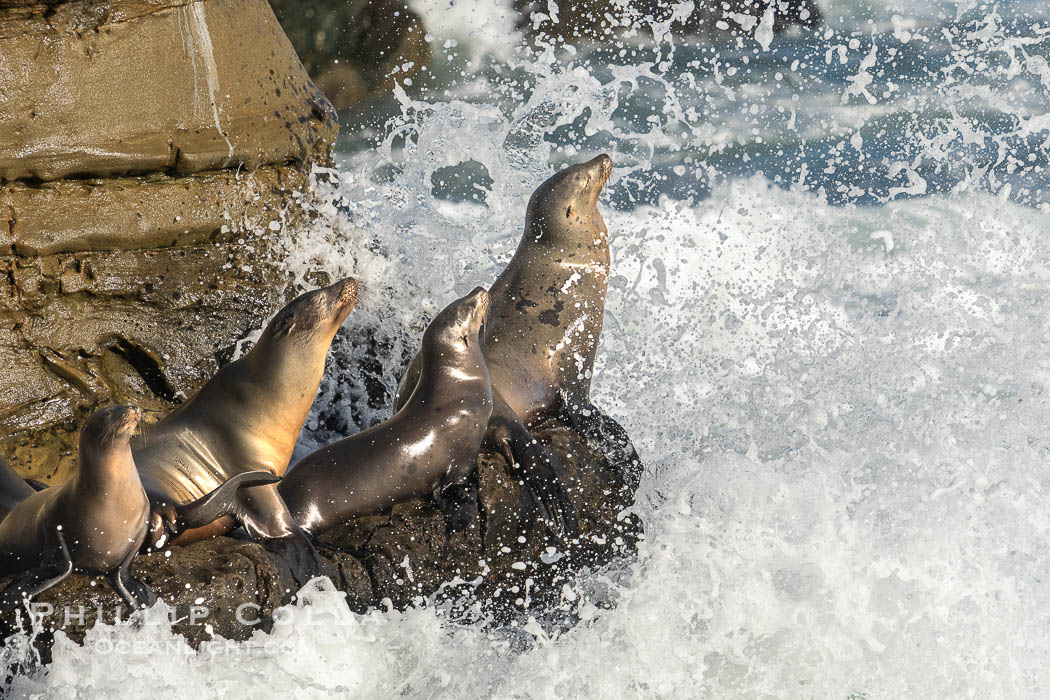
(824, 331)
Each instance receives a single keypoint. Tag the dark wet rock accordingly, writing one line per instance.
(504, 566)
(355, 49)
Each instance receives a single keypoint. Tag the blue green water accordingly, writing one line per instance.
(860, 112)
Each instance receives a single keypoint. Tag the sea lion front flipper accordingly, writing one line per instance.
(162, 526)
(134, 592)
(541, 471)
(222, 501)
(265, 517)
(302, 557)
(167, 521)
(56, 567)
(37, 485)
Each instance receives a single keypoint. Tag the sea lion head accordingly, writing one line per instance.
(316, 315)
(461, 325)
(568, 201)
(110, 426)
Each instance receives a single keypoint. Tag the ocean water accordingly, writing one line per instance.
(825, 332)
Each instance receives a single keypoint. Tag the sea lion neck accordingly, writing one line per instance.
(284, 362)
(444, 363)
(106, 466)
(551, 228)
(447, 362)
(253, 381)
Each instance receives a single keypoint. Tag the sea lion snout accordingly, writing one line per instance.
(132, 417)
(599, 172)
(480, 299)
(592, 175)
(341, 298)
(113, 421)
(126, 419)
(605, 165)
(347, 291)
(476, 307)
(476, 310)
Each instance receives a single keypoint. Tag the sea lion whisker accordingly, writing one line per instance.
(366, 297)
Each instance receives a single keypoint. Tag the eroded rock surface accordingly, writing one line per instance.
(148, 150)
(92, 88)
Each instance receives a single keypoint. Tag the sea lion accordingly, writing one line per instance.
(429, 446)
(543, 328)
(13, 489)
(94, 523)
(247, 418)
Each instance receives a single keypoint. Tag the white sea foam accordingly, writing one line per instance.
(487, 25)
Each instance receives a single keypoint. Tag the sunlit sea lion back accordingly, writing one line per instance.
(426, 448)
(247, 418)
(94, 523)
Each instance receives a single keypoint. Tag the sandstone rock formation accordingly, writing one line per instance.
(147, 148)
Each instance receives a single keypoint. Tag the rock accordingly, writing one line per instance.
(502, 567)
(355, 49)
(597, 20)
(147, 150)
(141, 86)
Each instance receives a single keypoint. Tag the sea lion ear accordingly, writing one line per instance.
(463, 315)
(568, 212)
(283, 325)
